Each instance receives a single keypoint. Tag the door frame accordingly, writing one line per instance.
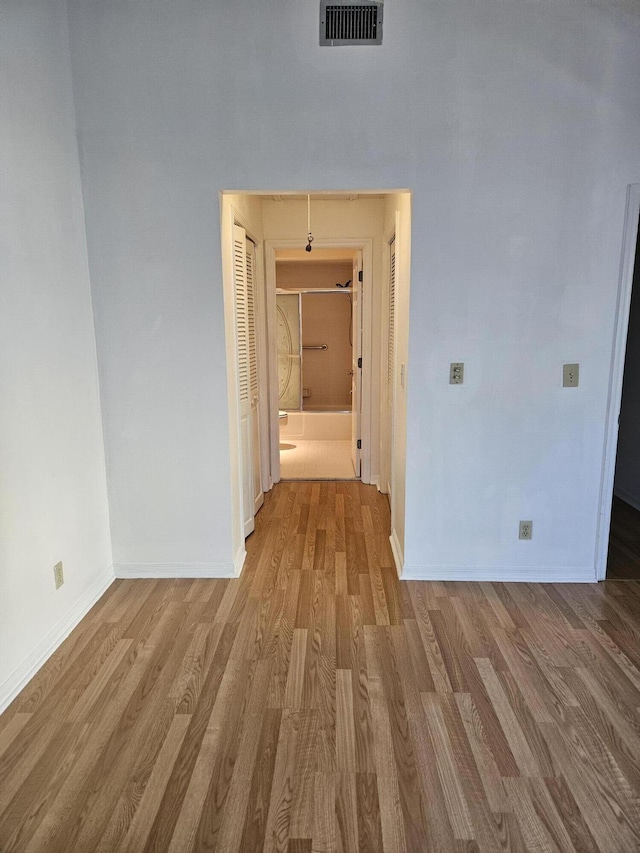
(614, 400)
(355, 298)
(365, 245)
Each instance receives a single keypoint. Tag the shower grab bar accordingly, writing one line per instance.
(319, 346)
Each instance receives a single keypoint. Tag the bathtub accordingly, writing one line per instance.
(317, 426)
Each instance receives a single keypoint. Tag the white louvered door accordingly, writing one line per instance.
(244, 287)
(391, 363)
(256, 479)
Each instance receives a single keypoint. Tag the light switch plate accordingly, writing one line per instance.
(570, 375)
(456, 373)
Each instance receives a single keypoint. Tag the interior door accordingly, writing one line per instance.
(356, 365)
(391, 364)
(254, 383)
(244, 288)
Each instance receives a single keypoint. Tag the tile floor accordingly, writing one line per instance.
(315, 460)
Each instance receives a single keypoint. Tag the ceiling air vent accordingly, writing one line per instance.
(350, 23)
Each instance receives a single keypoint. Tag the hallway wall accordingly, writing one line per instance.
(515, 124)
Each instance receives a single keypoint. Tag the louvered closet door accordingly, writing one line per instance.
(391, 362)
(252, 325)
(244, 286)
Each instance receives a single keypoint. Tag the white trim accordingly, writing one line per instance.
(632, 500)
(272, 378)
(618, 347)
(21, 676)
(365, 245)
(178, 570)
(501, 574)
(396, 550)
(238, 561)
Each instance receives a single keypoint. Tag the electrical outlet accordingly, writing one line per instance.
(570, 375)
(58, 575)
(456, 373)
(526, 530)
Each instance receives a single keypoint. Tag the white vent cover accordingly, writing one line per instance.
(343, 22)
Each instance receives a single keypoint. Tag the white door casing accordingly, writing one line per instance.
(365, 247)
(356, 363)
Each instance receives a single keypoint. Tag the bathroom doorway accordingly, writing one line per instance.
(319, 362)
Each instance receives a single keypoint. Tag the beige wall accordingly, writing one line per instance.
(293, 275)
(326, 382)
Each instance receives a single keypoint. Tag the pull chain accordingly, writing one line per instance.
(309, 235)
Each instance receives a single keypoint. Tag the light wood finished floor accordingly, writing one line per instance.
(318, 704)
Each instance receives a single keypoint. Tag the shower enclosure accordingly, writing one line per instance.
(314, 335)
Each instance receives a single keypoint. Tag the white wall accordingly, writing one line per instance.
(52, 486)
(515, 124)
(627, 477)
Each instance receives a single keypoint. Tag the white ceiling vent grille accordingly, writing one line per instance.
(350, 23)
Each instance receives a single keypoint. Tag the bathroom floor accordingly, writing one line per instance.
(315, 460)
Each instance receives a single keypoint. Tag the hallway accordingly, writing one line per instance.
(318, 704)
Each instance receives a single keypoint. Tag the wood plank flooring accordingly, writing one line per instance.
(317, 704)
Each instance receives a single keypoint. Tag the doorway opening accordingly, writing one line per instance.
(623, 559)
(335, 352)
(618, 541)
(319, 362)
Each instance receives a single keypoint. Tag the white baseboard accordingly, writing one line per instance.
(21, 676)
(238, 561)
(628, 498)
(506, 574)
(175, 570)
(396, 549)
